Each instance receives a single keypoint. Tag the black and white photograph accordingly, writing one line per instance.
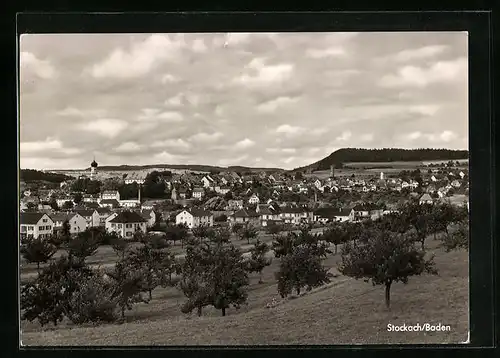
(243, 188)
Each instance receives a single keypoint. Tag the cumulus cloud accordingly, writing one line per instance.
(289, 129)
(258, 73)
(345, 136)
(75, 112)
(231, 161)
(128, 147)
(140, 59)
(443, 137)
(178, 143)
(425, 109)
(167, 158)
(169, 78)
(205, 138)
(48, 145)
(154, 114)
(108, 128)
(413, 135)
(244, 144)
(273, 105)
(334, 51)
(420, 53)
(174, 101)
(414, 76)
(31, 64)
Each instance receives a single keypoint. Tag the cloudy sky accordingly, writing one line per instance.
(268, 100)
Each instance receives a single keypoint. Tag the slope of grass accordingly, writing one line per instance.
(344, 312)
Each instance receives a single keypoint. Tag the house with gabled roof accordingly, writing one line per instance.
(295, 215)
(244, 216)
(91, 216)
(253, 200)
(109, 203)
(77, 223)
(36, 225)
(104, 213)
(195, 217)
(198, 193)
(126, 223)
(426, 199)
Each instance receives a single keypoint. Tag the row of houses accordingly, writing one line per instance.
(124, 223)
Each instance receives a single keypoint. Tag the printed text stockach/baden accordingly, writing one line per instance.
(426, 327)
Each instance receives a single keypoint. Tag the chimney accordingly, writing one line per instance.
(332, 171)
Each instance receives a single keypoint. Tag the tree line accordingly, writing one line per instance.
(30, 175)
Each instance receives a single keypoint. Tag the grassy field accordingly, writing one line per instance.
(105, 255)
(345, 311)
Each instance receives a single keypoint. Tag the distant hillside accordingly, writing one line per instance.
(193, 167)
(356, 155)
(30, 175)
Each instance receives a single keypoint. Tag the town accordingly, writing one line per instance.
(195, 199)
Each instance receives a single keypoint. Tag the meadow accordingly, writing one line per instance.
(345, 311)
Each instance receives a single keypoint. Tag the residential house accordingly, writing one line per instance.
(267, 215)
(149, 216)
(194, 217)
(92, 206)
(77, 223)
(36, 225)
(426, 199)
(244, 216)
(91, 216)
(234, 204)
(150, 204)
(109, 217)
(135, 178)
(296, 215)
(110, 194)
(208, 181)
(182, 193)
(87, 198)
(104, 213)
(198, 193)
(462, 174)
(130, 203)
(253, 200)
(126, 223)
(366, 211)
(60, 201)
(222, 190)
(324, 215)
(109, 203)
(455, 184)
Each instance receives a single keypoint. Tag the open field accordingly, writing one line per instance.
(402, 165)
(345, 311)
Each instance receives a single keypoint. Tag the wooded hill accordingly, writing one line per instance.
(30, 175)
(357, 155)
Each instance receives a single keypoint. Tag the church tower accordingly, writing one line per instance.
(381, 175)
(93, 170)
